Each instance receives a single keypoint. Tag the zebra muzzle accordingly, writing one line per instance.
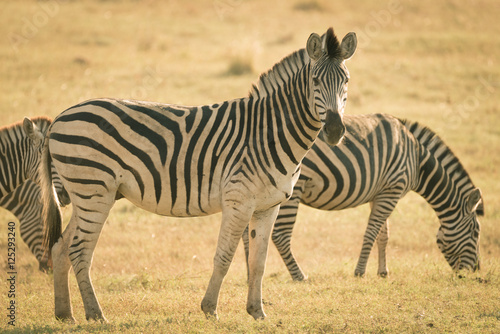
(334, 128)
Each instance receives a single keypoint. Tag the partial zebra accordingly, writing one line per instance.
(20, 152)
(380, 159)
(25, 203)
(240, 157)
(20, 195)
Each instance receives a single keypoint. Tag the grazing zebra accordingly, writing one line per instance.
(380, 160)
(18, 193)
(25, 203)
(240, 157)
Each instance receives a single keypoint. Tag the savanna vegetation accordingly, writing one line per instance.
(436, 62)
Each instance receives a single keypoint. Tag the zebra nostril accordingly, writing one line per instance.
(334, 127)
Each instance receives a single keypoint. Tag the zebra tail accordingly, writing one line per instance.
(51, 213)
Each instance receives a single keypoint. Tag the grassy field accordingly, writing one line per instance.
(436, 62)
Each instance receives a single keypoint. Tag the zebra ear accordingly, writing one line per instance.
(32, 131)
(313, 46)
(348, 45)
(474, 201)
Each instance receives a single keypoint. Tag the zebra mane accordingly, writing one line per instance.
(332, 44)
(16, 130)
(280, 74)
(437, 147)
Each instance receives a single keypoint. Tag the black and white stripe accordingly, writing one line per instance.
(20, 153)
(381, 159)
(25, 203)
(19, 161)
(240, 157)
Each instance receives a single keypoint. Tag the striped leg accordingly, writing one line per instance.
(91, 217)
(61, 265)
(283, 229)
(282, 233)
(246, 246)
(382, 208)
(382, 240)
(233, 223)
(77, 249)
(260, 228)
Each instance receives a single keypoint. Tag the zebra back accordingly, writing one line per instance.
(433, 145)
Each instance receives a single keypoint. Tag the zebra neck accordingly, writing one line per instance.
(443, 183)
(14, 159)
(290, 121)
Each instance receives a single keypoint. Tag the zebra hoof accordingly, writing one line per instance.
(383, 274)
(96, 316)
(66, 318)
(210, 310)
(300, 278)
(257, 312)
(358, 273)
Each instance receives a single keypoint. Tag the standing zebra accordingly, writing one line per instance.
(240, 157)
(18, 193)
(380, 160)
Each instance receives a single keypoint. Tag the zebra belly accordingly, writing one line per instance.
(198, 204)
(157, 189)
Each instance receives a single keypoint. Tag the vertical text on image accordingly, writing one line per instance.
(11, 273)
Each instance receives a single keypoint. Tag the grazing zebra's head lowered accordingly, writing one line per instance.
(381, 159)
(446, 185)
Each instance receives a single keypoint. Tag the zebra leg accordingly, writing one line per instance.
(260, 228)
(382, 240)
(61, 265)
(89, 217)
(381, 210)
(84, 228)
(283, 229)
(246, 245)
(234, 221)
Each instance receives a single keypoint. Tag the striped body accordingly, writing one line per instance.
(240, 157)
(173, 160)
(25, 203)
(380, 160)
(19, 161)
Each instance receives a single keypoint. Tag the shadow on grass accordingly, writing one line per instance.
(95, 327)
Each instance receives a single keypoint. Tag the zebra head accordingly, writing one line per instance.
(36, 135)
(460, 245)
(328, 79)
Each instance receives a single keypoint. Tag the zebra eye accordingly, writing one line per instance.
(316, 81)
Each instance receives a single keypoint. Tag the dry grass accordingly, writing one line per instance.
(431, 61)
